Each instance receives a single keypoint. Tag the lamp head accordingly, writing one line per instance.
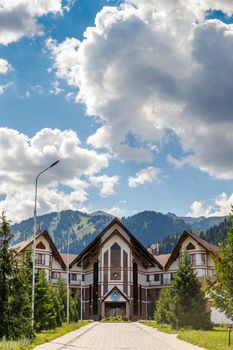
(55, 163)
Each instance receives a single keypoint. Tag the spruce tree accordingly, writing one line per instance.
(164, 308)
(45, 317)
(222, 290)
(190, 305)
(20, 298)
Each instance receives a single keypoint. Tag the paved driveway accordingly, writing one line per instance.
(117, 336)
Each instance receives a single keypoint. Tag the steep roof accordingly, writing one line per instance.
(68, 257)
(140, 251)
(175, 253)
(162, 258)
(21, 246)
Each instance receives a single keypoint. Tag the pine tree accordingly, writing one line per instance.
(45, 317)
(190, 305)
(222, 291)
(6, 274)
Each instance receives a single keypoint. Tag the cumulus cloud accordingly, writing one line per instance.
(62, 187)
(220, 206)
(19, 18)
(105, 183)
(147, 67)
(150, 174)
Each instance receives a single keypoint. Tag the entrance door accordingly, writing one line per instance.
(115, 309)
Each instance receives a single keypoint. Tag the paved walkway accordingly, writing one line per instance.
(117, 336)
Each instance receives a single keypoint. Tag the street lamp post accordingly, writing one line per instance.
(34, 241)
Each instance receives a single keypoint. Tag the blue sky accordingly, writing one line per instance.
(139, 116)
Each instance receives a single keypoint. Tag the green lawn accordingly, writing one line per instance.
(43, 337)
(216, 339)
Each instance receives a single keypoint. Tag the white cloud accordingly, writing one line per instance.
(220, 206)
(105, 183)
(5, 66)
(19, 18)
(150, 174)
(154, 67)
(62, 187)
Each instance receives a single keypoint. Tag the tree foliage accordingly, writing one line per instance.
(222, 290)
(15, 288)
(16, 291)
(184, 303)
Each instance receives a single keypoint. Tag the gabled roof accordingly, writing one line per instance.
(175, 253)
(140, 251)
(118, 290)
(21, 246)
(162, 258)
(68, 258)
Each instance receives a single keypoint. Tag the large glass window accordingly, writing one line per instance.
(115, 252)
(125, 272)
(106, 272)
(135, 288)
(95, 288)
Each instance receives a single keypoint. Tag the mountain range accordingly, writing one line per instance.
(81, 228)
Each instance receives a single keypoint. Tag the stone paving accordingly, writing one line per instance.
(117, 336)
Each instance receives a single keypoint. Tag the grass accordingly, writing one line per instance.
(216, 339)
(43, 337)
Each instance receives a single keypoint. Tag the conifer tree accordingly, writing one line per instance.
(20, 298)
(184, 304)
(45, 317)
(6, 274)
(222, 290)
(190, 305)
(164, 308)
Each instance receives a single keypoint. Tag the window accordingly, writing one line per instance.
(73, 277)
(95, 288)
(148, 278)
(55, 275)
(203, 259)
(40, 259)
(157, 277)
(83, 277)
(135, 288)
(193, 259)
(37, 271)
(106, 272)
(40, 245)
(115, 262)
(190, 246)
(125, 272)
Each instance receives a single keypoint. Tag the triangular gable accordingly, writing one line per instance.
(175, 253)
(139, 250)
(22, 246)
(112, 291)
